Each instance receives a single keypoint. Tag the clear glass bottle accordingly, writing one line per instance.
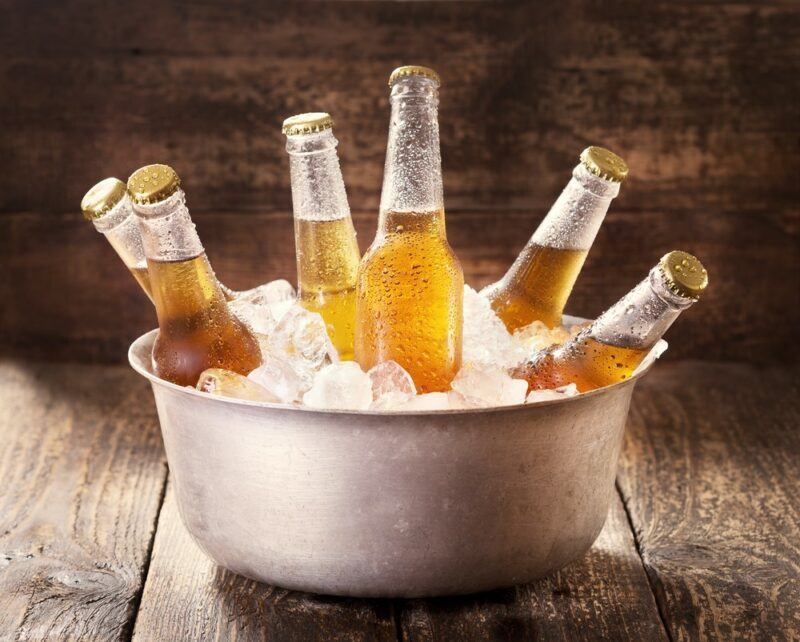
(612, 347)
(539, 282)
(109, 208)
(324, 236)
(196, 329)
(410, 283)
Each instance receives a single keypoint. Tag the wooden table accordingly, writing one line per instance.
(702, 542)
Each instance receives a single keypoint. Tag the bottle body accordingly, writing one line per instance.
(539, 282)
(327, 265)
(109, 207)
(197, 331)
(410, 283)
(325, 239)
(410, 287)
(610, 350)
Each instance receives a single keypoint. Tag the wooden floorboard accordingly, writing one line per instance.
(708, 480)
(187, 597)
(83, 471)
(709, 474)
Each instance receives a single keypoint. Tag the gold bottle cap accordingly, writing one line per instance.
(604, 163)
(414, 70)
(102, 197)
(684, 274)
(153, 183)
(310, 123)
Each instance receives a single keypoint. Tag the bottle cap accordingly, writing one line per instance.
(604, 164)
(153, 183)
(102, 197)
(414, 70)
(310, 123)
(684, 274)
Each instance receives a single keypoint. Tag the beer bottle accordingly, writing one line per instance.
(611, 348)
(325, 240)
(109, 208)
(410, 283)
(196, 329)
(538, 284)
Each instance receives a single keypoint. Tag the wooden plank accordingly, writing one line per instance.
(187, 597)
(604, 596)
(83, 473)
(709, 475)
(74, 299)
(700, 101)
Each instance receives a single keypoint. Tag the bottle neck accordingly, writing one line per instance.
(168, 233)
(412, 178)
(121, 227)
(642, 316)
(318, 191)
(575, 217)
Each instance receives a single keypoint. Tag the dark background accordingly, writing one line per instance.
(700, 99)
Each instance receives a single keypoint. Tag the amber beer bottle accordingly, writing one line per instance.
(612, 347)
(325, 240)
(109, 208)
(538, 284)
(196, 329)
(410, 283)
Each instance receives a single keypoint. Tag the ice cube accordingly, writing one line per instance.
(342, 386)
(655, 353)
(426, 402)
(300, 338)
(269, 293)
(258, 317)
(217, 381)
(485, 338)
(537, 336)
(391, 385)
(278, 296)
(282, 380)
(570, 390)
(486, 386)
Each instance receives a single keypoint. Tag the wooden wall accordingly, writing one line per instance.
(701, 99)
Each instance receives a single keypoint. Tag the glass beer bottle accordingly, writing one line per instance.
(196, 329)
(612, 347)
(539, 282)
(325, 240)
(109, 208)
(410, 283)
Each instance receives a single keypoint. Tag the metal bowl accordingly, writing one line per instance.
(403, 504)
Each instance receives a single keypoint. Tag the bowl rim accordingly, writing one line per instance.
(149, 336)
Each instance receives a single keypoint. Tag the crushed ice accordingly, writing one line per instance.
(301, 366)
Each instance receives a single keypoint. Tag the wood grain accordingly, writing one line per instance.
(604, 596)
(187, 597)
(700, 98)
(82, 475)
(700, 101)
(709, 474)
(87, 306)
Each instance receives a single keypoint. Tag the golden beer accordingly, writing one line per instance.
(612, 347)
(540, 288)
(410, 283)
(327, 265)
(197, 331)
(410, 292)
(538, 284)
(325, 239)
(142, 277)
